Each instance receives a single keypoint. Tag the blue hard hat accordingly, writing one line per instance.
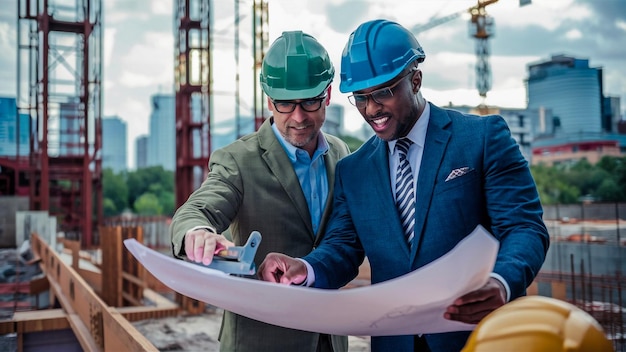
(376, 52)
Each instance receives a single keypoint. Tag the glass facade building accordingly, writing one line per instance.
(114, 141)
(162, 137)
(9, 127)
(571, 89)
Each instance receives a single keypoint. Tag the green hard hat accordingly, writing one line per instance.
(296, 66)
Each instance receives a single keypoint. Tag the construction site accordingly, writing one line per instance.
(83, 291)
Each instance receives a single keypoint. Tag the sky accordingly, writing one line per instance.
(138, 46)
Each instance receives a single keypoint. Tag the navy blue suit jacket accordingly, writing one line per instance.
(498, 192)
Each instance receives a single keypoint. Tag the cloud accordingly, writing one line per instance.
(161, 7)
(573, 34)
(338, 18)
(149, 63)
(108, 38)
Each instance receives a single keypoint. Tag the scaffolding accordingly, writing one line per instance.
(60, 89)
(193, 73)
(192, 76)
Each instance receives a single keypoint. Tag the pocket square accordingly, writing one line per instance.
(458, 173)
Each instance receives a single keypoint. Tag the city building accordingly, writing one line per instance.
(334, 119)
(525, 125)
(573, 91)
(141, 151)
(9, 125)
(584, 123)
(114, 136)
(611, 114)
(567, 150)
(162, 137)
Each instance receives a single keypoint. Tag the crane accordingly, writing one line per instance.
(481, 30)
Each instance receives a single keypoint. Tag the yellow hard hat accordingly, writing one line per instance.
(538, 323)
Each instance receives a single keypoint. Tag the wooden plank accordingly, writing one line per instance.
(129, 298)
(158, 299)
(83, 334)
(121, 335)
(74, 247)
(111, 246)
(143, 313)
(37, 286)
(133, 279)
(94, 279)
(41, 320)
(533, 289)
(89, 317)
(559, 290)
(131, 266)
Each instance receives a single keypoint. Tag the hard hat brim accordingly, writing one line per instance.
(286, 94)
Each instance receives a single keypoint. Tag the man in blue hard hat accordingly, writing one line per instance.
(418, 187)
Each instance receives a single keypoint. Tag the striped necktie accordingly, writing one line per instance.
(405, 196)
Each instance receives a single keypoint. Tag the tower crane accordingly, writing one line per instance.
(481, 30)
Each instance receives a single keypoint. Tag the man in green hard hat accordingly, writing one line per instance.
(278, 181)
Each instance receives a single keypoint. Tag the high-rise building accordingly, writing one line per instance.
(583, 120)
(334, 119)
(162, 138)
(9, 125)
(114, 135)
(573, 91)
(612, 115)
(525, 125)
(141, 151)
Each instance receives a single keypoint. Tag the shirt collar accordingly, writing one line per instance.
(417, 134)
(322, 145)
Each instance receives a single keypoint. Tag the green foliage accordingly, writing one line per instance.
(147, 191)
(352, 142)
(148, 204)
(114, 192)
(565, 184)
(109, 207)
(141, 180)
(168, 200)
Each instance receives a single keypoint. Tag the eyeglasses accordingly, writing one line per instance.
(308, 105)
(379, 95)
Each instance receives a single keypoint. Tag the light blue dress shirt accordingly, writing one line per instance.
(311, 172)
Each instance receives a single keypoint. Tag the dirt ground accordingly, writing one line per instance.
(200, 332)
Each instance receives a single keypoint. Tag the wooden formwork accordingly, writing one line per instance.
(123, 282)
(98, 325)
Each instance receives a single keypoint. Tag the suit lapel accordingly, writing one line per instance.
(330, 161)
(383, 202)
(437, 138)
(279, 164)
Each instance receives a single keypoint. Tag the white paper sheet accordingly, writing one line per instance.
(410, 304)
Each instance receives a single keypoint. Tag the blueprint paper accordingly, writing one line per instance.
(407, 305)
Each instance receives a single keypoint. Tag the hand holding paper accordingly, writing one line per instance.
(411, 304)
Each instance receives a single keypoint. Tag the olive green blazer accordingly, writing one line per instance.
(252, 186)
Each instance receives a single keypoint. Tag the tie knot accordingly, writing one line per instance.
(403, 145)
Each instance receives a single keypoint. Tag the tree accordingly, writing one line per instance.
(604, 181)
(154, 180)
(551, 187)
(114, 192)
(352, 142)
(148, 204)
